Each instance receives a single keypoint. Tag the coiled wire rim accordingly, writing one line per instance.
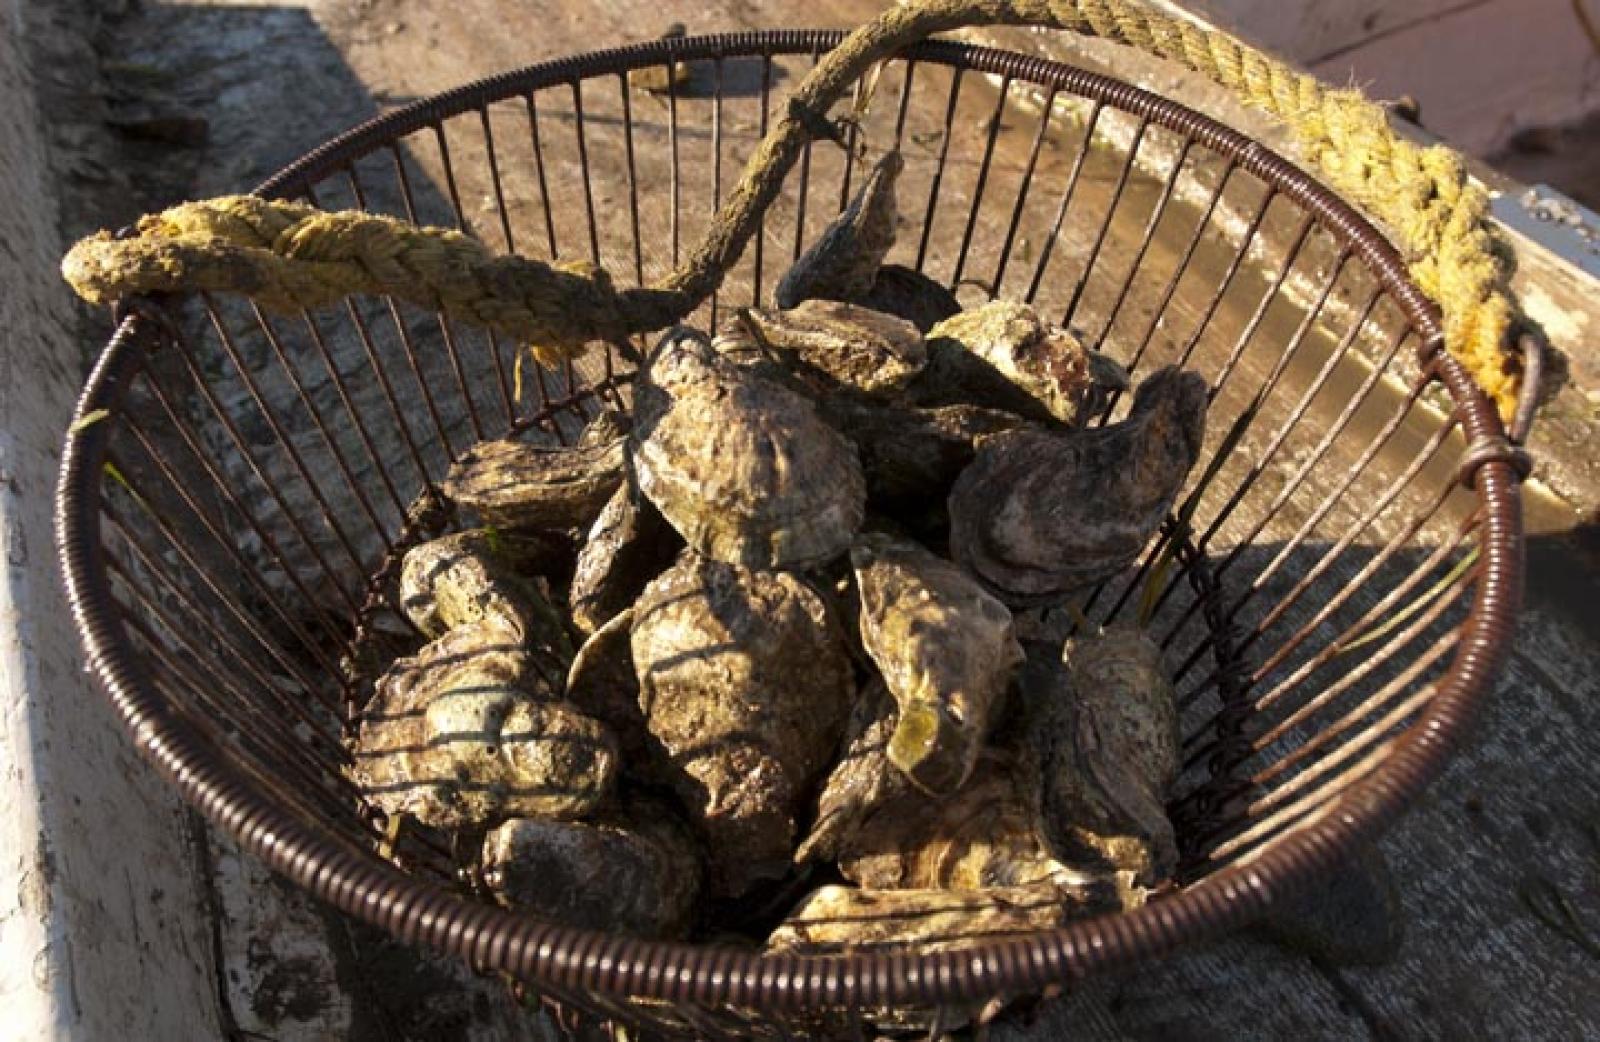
(421, 912)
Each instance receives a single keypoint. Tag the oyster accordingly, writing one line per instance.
(910, 456)
(607, 426)
(909, 294)
(863, 780)
(884, 832)
(1003, 355)
(523, 484)
(636, 872)
(463, 579)
(844, 260)
(603, 684)
(1103, 721)
(986, 834)
(946, 651)
(628, 545)
(745, 682)
(744, 469)
(1039, 515)
(466, 733)
(831, 344)
(836, 920)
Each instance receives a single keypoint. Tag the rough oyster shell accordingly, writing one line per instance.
(986, 834)
(607, 426)
(946, 651)
(465, 733)
(602, 683)
(837, 920)
(629, 544)
(1104, 722)
(635, 872)
(523, 484)
(1004, 356)
(911, 456)
(863, 780)
(744, 469)
(843, 261)
(909, 294)
(463, 579)
(830, 344)
(1039, 515)
(745, 681)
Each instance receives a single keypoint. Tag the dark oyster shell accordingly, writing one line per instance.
(744, 469)
(1115, 756)
(522, 484)
(910, 455)
(634, 872)
(863, 780)
(466, 733)
(1040, 515)
(909, 294)
(946, 651)
(1104, 726)
(745, 682)
(1003, 355)
(830, 344)
(843, 261)
(628, 545)
(838, 920)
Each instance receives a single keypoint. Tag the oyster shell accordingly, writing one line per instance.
(910, 456)
(603, 684)
(830, 344)
(628, 545)
(837, 920)
(607, 426)
(909, 294)
(986, 834)
(863, 780)
(1040, 515)
(744, 469)
(946, 651)
(844, 260)
(523, 484)
(636, 872)
(463, 579)
(745, 682)
(1003, 355)
(466, 733)
(1104, 721)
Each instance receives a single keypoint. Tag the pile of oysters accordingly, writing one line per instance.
(752, 662)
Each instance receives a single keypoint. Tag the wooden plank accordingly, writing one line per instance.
(1456, 866)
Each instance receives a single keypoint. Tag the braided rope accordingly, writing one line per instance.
(288, 255)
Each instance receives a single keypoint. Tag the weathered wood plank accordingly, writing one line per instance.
(1473, 959)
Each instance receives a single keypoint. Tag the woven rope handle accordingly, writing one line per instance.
(288, 255)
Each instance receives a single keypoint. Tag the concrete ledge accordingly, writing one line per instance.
(102, 934)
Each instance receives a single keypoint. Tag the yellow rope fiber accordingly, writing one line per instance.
(287, 255)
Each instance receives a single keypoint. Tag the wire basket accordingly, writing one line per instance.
(1345, 571)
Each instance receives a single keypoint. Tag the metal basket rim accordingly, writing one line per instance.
(422, 912)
